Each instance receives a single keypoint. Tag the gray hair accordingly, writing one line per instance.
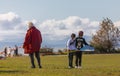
(30, 24)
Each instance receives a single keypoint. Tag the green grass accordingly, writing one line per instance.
(92, 65)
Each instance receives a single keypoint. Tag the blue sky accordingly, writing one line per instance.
(59, 9)
(56, 19)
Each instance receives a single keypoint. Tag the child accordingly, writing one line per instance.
(71, 48)
(79, 44)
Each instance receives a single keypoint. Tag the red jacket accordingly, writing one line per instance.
(33, 40)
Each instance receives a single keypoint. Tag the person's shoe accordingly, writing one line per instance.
(69, 67)
(32, 66)
(40, 66)
(76, 66)
(79, 67)
(72, 67)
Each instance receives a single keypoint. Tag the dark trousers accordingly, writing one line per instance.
(15, 52)
(78, 58)
(37, 55)
(70, 57)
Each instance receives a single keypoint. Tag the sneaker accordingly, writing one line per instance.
(32, 66)
(79, 67)
(70, 67)
(76, 67)
(40, 66)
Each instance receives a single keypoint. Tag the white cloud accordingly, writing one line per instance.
(9, 21)
(13, 28)
(61, 29)
(117, 24)
(10, 16)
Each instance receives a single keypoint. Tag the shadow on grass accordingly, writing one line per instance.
(12, 71)
(4, 67)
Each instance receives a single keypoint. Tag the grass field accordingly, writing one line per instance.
(93, 65)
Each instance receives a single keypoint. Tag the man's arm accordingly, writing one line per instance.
(27, 39)
(85, 42)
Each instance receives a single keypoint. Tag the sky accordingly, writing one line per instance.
(56, 19)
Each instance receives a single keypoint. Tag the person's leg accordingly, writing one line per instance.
(17, 52)
(37, 55)
(76, 61)
(32, 60)
(70, 57)
(14, 53)
(80, 58)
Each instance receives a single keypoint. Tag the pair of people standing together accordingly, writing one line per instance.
(74, 44)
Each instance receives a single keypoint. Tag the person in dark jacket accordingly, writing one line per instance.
(16, 50)
(5, 52)
(32, 44)
(80, 41)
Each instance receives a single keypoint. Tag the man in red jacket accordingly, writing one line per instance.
(32, 44)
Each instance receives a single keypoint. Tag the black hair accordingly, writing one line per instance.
(73, 35)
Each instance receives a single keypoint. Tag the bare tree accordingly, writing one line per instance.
(107, 37)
